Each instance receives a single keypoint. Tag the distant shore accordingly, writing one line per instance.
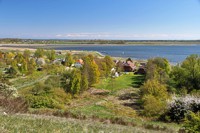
(31, 46)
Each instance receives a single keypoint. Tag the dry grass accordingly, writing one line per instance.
(46, 124)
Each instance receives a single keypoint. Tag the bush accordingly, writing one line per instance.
(154, 88)
(179, 107)
(192, 123)
(8, 91)
(177, 111)
(41, 89)
(153, 106)
(53, 81)
(44, 96)
(154, 96)
(40, 101)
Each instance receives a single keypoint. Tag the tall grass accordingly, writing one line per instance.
(44, 124)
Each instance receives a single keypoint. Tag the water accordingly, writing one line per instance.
(174, 54)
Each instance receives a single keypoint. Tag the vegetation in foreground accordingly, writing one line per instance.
(47, 124)
(89, 87)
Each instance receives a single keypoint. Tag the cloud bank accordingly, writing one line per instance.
(127, 36)
(119, 36)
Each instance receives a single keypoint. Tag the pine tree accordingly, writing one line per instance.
(39, 53)
(72, 82)
(51, 55)
(69, 60)
(84, 82)
(109, 65)
(27, 54)
(91, 70)
(31, 66)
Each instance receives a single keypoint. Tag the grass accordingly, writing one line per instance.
(97, 113)
(20, 82)
(49, 124)
(123, 82)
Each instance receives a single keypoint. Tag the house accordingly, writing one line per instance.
(78, 64)
(143, 64)
(80, 61)
(129, 66)
(142, 69)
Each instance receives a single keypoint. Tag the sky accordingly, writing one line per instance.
(100, 19)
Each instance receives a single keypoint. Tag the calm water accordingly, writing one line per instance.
(174, 54)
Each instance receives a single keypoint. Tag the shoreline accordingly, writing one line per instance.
(86, 44)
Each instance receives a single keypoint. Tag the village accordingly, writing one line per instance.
(87, 84)
(121, 66)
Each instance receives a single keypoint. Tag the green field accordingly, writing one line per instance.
(125, 81)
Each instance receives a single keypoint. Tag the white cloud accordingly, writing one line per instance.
(104, 35)
(127, 36)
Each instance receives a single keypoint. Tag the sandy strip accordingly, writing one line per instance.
(14, 48)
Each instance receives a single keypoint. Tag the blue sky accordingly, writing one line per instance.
(100, 19)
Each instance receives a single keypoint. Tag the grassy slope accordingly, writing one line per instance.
(111, 107)
(95, 107)
(123, 82)
(46, 124)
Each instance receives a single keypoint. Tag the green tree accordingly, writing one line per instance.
(31, 66)
(9, 57)
(154, 96)
(187, 74)
(51, 54)
(103, 69)
(91, 70)
(153, 106)
(24, 65)
(192, 123)
(72, 82)
(109, 65)
(13, 70)
(69, 60)
(39, 53)
(27, 54)
(154, 88)
(84, 82)
(158, 68)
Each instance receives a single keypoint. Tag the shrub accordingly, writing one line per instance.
(40, 101)
(186, 75)
(154, 88)
(44, 96)
(179, 107)
(192, 123)
(8, 91)
(53, 81)
(41, 89)
(153, 106)
(154, 96)
(158, 68)
(177, 111)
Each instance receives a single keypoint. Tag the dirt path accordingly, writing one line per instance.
(33, 82)
(129, 97)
